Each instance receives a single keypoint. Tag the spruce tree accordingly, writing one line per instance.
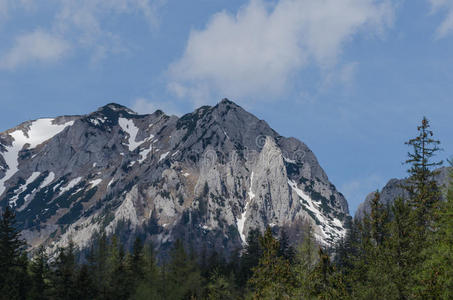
(435, 280)
(273, 278)
(286, 249)
(13, 260)
(424, 193)
(40, 275)
(305, 261)
(183, 277)
(250, 257)
(402, 256)
(148, 287)
(325, 282)
(64, 274)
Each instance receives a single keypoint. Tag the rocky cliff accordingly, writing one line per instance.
(207, 178)
(394, 189)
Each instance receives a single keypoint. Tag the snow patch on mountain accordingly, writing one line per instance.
(48, 180)
(329, 226)
(144, 154)
(22, 188)
(38, 132)
(163, 156)
(240, 222)
(70, 185)
(129, 127)
(95, 182)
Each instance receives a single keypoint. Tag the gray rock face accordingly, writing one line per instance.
(393, 189)
(207, 178)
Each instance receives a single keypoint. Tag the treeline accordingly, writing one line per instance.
(402, 250)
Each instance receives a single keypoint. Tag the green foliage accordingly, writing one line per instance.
(435, 280)
(404, 251)
(13, 260)
(39, 275)
(273, 278)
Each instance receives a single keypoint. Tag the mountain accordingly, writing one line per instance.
(393, 189)
(207, 178)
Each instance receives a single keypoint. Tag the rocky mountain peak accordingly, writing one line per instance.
(115, 107)
(207, 178)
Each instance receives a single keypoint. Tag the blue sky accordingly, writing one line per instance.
(350, 78)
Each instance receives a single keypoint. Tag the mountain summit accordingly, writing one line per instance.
(207, 178)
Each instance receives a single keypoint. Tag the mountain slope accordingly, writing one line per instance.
(207, 178)
(393, 189)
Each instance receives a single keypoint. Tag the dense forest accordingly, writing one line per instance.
(398, 251)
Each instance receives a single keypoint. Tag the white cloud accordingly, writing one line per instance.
(145, 106)
(446, 27)
(257, 51)
(82, 23)
(85, 21)
(37, 46)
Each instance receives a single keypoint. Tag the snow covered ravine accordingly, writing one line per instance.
(39, 131)
(241, 221)
(129, 127)
(329, 225)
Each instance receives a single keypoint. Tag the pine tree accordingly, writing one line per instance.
(273, 277)
(435, 280)
(250, 257)
(424, 193)
(13, 260)
(324, 281)
(137, 263)
(379, 219)
(305, 261)
(84, 284)
(97, 263)
(286, 249)
(40, 275)
(183, 275)
(148, 287)
(119, 283)
(64, 275)
(220, 287)
(402, 256)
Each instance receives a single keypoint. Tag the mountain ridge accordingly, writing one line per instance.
(207, 177)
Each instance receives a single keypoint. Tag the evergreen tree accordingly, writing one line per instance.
(40, 275)
(286, 249)
(84, 284)
(119, 283)
(220, 287)
(422, 187)
(148, 287)
(305, 260)
(97, 263)
(273, 277)
(64, 274)
(325, 282)
(250, 257)
(183, 276)
(435, 280)
(402, 256)
(13, 260)
(379, 220)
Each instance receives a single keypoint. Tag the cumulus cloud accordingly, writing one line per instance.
(257, 51)
(37, 46)
(446, 27)
(146, 106)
